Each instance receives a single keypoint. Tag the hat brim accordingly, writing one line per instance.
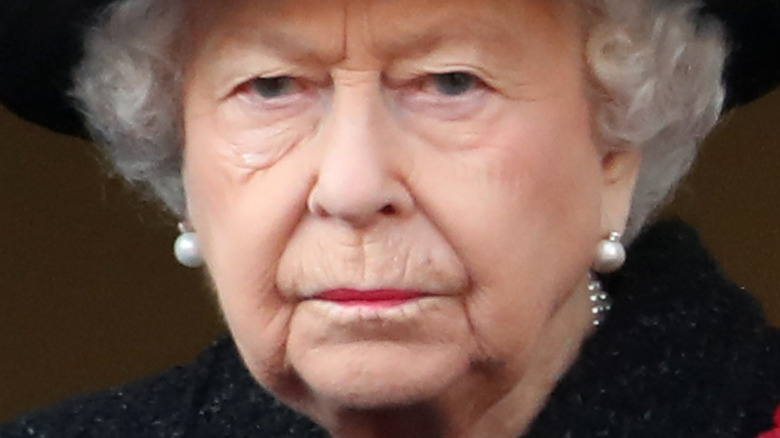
(753, 27)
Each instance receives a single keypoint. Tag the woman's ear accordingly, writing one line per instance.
(620, 170)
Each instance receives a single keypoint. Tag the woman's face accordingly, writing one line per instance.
(395, 199)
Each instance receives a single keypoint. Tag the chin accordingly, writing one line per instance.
(380, 374)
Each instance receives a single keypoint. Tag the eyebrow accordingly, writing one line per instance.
(430, 39)
(411, 45)
(283, 44)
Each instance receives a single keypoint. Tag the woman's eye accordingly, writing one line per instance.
(453, 84)
(274, 87)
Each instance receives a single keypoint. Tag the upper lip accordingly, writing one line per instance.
(342, 295)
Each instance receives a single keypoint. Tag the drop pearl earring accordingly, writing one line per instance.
(610, 254)
(186, 248)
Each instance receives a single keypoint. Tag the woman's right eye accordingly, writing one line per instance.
(274, 87)
(453, 83)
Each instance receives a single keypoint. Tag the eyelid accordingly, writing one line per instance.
(431, 105)
(403, 76)
(299, 85)
(288, 104)
(230, 85)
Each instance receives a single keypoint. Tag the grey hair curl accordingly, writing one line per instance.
(656, 68)
(128, 86)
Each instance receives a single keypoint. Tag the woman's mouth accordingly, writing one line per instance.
(377, 298)
(357, 306)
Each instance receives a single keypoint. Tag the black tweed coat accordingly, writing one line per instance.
(684, 353)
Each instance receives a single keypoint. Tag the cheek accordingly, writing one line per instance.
(521, 176)
(242, 178)
(523, 211)
(244, 218)
(544, 238)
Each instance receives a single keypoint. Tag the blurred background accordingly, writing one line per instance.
(92, 297)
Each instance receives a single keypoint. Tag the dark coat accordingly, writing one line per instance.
(684, 353)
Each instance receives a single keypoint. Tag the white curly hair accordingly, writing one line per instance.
(655, 67)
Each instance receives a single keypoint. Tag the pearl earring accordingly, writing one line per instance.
(600, 301)
(610, 254)
(186, 248)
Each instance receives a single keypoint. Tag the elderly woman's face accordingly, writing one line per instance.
(395, 199)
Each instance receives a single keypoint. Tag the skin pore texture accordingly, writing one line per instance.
(438, 151)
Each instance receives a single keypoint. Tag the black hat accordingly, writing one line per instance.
(40, 42)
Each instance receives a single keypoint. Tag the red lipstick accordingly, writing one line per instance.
(370, 298)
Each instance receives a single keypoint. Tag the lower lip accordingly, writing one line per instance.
(381, 299)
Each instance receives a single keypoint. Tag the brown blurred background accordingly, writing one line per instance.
(92, 297)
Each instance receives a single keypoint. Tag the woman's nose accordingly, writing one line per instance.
(358, 181)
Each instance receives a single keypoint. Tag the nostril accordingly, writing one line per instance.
(319, 210)
(388, 209)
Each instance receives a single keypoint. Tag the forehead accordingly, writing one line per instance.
(389, 28)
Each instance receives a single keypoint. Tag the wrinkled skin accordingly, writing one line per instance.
(329, 146)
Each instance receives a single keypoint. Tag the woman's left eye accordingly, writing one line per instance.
(274, 87)
(453, 83)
